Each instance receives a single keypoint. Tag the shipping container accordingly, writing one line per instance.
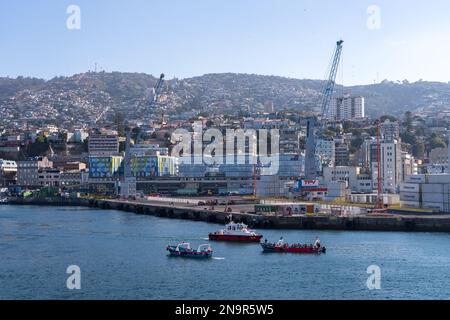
(409, 187)
(433, 197)
(417, 178)
(439, 178)
(410, 204)
(432, 188)
(410, 196)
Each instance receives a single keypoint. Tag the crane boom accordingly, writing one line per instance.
(310, 149)
(329, 89)
(157, 91)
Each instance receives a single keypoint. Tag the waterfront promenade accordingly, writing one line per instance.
(244, 212)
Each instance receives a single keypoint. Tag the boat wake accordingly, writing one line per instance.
(217, 258)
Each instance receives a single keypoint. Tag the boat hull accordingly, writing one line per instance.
(307, 250)
(189, 253)
(234, 238)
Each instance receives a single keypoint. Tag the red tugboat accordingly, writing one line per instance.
(237, 232)
(281, 246)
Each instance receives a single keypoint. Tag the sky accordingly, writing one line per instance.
(183, 38)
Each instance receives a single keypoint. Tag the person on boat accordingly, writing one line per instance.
(280, 242)
(317, 243)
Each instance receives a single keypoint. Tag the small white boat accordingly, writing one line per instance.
(184, 250)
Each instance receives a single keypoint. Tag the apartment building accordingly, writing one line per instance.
(103, 144)
(28, 171)
(347, 108)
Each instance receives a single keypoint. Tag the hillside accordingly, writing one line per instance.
(92, 97)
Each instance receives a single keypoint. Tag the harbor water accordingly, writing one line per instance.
(122, 256)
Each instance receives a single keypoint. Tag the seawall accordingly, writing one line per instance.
(361, 223)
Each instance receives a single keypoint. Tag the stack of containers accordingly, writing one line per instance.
(410, 191)
(435, 193)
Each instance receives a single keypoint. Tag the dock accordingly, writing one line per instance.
(394, 222)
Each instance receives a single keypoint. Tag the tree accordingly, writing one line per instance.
(119, 121)
(356, 144)
(347, 125)
(435, 141)
(86, 145)
(62, 136)
(38, 148)
(388, 117)
(408, 121)
(418, 150)
(122, 146)
(408, 137)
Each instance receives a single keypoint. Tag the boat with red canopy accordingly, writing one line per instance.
(281, 246)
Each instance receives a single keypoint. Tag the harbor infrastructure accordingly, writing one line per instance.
(244, 211)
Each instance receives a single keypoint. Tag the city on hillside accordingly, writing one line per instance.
(51, 151)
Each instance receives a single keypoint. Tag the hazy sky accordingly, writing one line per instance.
(184, 38)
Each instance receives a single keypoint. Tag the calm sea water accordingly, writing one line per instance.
(122, 256)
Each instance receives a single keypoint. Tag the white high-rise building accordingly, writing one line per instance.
(391, 166)
(347, 108)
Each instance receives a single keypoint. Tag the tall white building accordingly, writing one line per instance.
(391, 169)
(347, 108)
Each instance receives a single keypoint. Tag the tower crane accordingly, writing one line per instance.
(128, 182)
(329, 88)
(156, 93)
(310, 152)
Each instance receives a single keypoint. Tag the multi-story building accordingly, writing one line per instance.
(49, 177)
(325, 150)
(409, 165)
(104, 167)
(28, 171)
(366, 153)
(391, 166)
(69, 165)
(341, 173)
(103, 144)
(78, 136)
(73, 178)
(289, 141)
(389, 131)
(342, 155)
(347, 108)
(352, 176)
(8, 172)
(148, 150)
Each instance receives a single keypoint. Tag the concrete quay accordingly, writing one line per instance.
(438, 223)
